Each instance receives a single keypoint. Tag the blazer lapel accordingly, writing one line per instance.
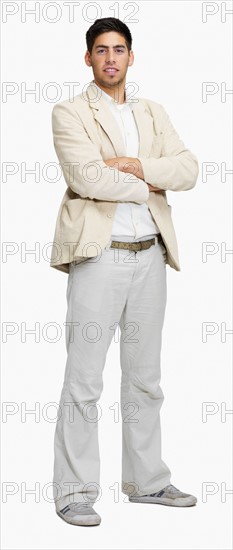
(107, 121)
(144, 123)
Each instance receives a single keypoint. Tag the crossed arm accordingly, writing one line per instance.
(88, 175)
(129, 165)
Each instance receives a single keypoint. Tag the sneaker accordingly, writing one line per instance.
(79, 513)
(170, 496)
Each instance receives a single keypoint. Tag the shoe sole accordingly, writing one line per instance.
(171, 502)
(90, 522)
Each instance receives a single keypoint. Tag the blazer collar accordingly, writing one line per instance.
(105, 118)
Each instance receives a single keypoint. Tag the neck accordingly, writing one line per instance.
(117, 92)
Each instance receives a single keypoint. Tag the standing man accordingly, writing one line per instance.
(114, 236)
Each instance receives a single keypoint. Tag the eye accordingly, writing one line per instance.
(119, 50)
(101, 50)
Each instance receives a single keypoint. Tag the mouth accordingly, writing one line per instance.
(111, 70)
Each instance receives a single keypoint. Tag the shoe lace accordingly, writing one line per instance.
(80, 505)
(169, 489)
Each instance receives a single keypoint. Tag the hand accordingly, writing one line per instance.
(152, 188)
(128, 165)
(131, 166)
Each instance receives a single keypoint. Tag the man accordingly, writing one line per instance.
(114, 237)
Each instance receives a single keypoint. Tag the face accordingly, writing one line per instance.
(109, 60)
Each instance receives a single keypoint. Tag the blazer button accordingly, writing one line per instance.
(109, 215)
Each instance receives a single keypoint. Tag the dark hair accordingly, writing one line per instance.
(107, 24)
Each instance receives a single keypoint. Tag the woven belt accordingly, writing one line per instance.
(140, 245)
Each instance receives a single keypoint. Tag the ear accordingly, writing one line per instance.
(131, 58)
(87, 58)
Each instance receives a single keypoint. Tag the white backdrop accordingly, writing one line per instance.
(182, 60)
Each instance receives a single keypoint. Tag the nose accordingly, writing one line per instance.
(110, 56)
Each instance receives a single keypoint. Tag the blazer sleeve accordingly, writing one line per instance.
(177, 168)
(83, 167)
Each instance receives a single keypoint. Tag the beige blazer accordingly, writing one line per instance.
(85, 134)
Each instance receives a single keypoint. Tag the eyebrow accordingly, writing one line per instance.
(103, 46)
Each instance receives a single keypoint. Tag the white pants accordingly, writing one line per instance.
(129, 289)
